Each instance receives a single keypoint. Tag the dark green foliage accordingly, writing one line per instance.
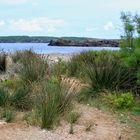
(21, 99)
(4, 97)
(131, 44)
(102, 70)
(107, 72)
(2, 62)
(77, 66)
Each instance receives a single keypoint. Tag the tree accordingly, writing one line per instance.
(131, 44)
(129, 30)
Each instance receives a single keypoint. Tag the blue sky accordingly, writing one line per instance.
(83, 18)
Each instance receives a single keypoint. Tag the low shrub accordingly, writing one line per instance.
(12, 84)
(107, 72)
(121, 101)
(77, 63)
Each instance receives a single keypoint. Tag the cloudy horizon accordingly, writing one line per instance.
(86, 18)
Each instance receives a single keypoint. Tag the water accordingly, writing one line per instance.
(43, 48)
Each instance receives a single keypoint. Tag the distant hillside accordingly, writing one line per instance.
(39, 39)
(25, 39)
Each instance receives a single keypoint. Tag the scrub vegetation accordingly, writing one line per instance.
(112, 80)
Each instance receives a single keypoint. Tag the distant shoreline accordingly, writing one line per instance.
(62, 41)
(84, 43)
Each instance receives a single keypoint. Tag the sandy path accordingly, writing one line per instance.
(104, 127)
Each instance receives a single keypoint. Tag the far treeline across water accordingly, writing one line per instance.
(37, 39)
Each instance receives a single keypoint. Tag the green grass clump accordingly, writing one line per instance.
(34, 67)
(59, 68)
(4, 97)
(8, 115)
(17, 56)
(33, 117)
(72, 117)
(12, 84)
(106, 72)
(102, 70)
(52, 100)
(21, 98)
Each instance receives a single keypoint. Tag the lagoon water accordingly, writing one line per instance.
(43, 48)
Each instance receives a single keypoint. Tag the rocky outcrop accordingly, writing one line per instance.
(87, 43)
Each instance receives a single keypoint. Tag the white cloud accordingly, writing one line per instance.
(108, 26)
(90, 29)
(2, 23)
(37, 24)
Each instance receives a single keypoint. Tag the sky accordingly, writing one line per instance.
(81, 18)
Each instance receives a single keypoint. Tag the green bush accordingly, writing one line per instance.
(102, 70)
(107, 72)
(77, 63)
(121, 101)
(130, 44)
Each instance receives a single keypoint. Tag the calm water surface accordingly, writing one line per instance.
(43, 48)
